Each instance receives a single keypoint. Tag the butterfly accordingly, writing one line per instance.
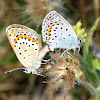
(58, 33)
(27, 46)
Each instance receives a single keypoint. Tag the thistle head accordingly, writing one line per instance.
(64, 71)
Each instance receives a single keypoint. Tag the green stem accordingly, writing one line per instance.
(97, 76)
(87, 42)
(89, 87)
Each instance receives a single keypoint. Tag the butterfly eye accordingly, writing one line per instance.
(80, 40)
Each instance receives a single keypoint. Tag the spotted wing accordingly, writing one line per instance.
(25, 43)
(57, 32)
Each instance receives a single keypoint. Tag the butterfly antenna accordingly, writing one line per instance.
(90, 29)
(64, 52)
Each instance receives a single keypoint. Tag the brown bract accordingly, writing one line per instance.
(63, 72)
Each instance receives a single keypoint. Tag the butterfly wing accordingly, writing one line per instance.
(57, 32)
(25, 43)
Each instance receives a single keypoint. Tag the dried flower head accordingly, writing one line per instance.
(64, 72)
(37, 9)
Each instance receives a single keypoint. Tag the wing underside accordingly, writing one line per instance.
(57, 32)
(25, 43)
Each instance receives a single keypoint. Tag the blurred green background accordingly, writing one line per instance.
(20, 86)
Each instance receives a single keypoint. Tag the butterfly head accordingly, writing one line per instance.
(80, 40)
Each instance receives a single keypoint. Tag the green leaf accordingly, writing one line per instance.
(90, 34)
(96, 64)
(89, 59)
(20, 2)
(91, 55)
(84, 62)
(98, 96)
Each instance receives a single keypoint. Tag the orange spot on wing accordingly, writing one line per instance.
(33, 40)
(21, 36)
(48, 30)
(47, 34)
(29, 38)
(14, 44)
(15, 40)
(36, 41)
(25, 36)
(57, 23)
(49, 27)
(11, 31)
(47, 39)
(17, 37)
(10, 34)
(52, 24)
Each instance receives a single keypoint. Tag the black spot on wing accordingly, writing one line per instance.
(25, 50)
(19, 47)
(66, 29)
(20, 53)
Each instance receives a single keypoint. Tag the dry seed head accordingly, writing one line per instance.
(64, 70)
(37, 9)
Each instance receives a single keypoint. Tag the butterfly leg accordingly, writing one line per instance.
(74, 50)
(78, 48)
(37, 73)
(62, 54)
(33, 71)
(25, 70)
(51, 48)
(46, 60)
(13, 70)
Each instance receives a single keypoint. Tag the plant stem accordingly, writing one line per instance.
(87, 42)
(89, 87)
(97, 76)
